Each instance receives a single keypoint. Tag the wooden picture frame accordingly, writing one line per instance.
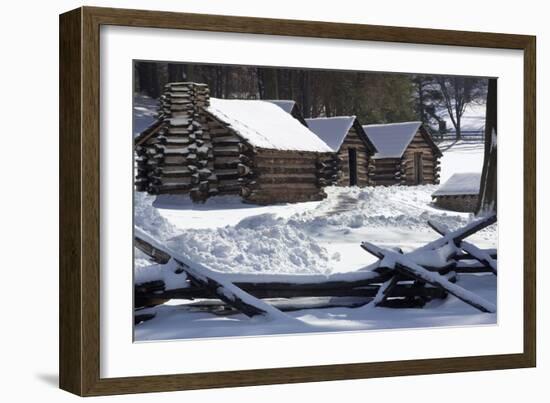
(80, 184)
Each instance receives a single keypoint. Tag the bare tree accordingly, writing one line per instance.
(427, 98)
(457, 93)
(305, 87)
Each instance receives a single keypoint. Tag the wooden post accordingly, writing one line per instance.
(407, 267)
(476, 253)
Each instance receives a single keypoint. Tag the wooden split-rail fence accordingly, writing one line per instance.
(396, 280)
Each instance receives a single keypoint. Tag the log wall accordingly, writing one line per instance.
(462, 203)
(430, 163)
(385, 171)
(231, 157)
(353, 141)
(267, 176)
(288, 176)
(401, 171)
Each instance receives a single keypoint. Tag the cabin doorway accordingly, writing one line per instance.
(352, 160)
(418, 173)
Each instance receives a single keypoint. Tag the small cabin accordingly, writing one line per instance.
(206, 146)
(459, 193)
(346, 138)
(406, 154)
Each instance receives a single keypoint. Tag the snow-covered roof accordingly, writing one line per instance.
(265, 125)
(460, 184)
(284, 104)
(331, 130)
(392, 139)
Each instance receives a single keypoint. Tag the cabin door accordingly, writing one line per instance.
(418, 172)
(352, 159)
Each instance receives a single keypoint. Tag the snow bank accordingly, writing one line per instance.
(319, 240)
(258, 244)
(149, 219)
(306, 242)
(226, 290)
(165, 272)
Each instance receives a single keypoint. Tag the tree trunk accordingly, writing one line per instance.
(261, 84)
(421, 111)
(154, 87)
(282, 84)
(175, 72)
(488, 186)
(268, 83)
(148, 78)
(306, 89)
(458, 128)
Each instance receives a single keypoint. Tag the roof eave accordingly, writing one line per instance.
(256, 148)
(363, 136)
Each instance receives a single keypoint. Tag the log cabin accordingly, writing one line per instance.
(406, 154)
(206, 146)
(459, 193)
(347, 139)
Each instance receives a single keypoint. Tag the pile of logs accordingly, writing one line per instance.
(175, 154)
(396, 280)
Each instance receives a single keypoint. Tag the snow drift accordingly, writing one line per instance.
(262, 243)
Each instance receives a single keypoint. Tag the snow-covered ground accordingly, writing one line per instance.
(314, 237)
(144, 112)
(177, 322)
(473, 118)
(321, 237)
(310, 238)
(460, 157)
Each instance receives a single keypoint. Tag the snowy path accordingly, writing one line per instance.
(344, 203)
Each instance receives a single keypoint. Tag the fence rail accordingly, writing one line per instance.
(397, 280)
(466, 135)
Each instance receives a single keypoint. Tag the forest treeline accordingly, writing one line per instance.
(372, 97)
